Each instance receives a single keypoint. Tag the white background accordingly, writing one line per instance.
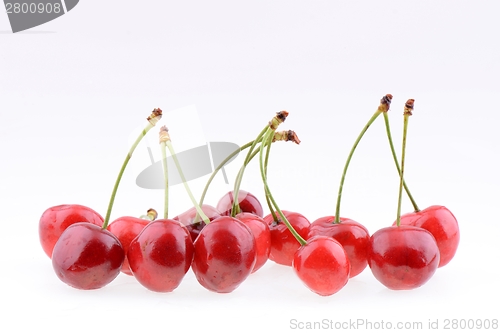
(74, 91)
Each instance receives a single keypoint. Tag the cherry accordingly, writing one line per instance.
(248, 203)
(442, 224)
(403, 257)
(353, 236)
(126, 228)
(262, 235)
(322, 265)
(192, 220)
(161, 255)
(56, 219)
(283, 242)
(224, 254)
(87, 256)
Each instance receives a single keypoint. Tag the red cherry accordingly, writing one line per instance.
(353, 236)
(224, 254)
(161, 255)
(248, 203)
(188, 219)
(403, 257)
(283, 243)
(87, 256)
(262, 235)
(442, 224)
(126, 228)
(56, 219)
(322, 265)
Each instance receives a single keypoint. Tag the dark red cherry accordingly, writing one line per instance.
(56, 219)
(283, 243)
(87, 257)
(127, 228)
(442, 224)
(322, 265)
(188, 219)
(353, 236)
(224, 254)
(248, 203)
(403, 257)
(262, 235)
(161, 254)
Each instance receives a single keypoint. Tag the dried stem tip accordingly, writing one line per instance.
(385, 103)
(152, 213)
(286, 136)
(278, 119)
(164, 136)
(155, 116)
(409, 107)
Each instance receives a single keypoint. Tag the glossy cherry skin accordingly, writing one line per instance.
(283, 243)
(127, 228)
(248, 203)
(262, 235)
(224, 254)
(161, 254)
(56, 219)
(188, 219)
(322, 265)
(403, 257)
(87, 257)
(442, 224)
(353, 236)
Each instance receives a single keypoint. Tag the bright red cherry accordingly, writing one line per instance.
(188, 219)
(127, 228)
(161, 254)
(87, 256)
(262, 235)
(56, 219)
(353, 236)
(248, 203)
(283, 243)
(442, 224)
(322, 265)
(224, 254)
(403, 257)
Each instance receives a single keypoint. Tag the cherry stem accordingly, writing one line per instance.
(268, 140)
(151, 215)
(186, 186)
(266, 161)
(394, 156)
(407, 113)
(152, 120)
(164, 137)
(383, 107)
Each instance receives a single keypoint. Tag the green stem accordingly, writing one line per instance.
(268, 140)
(266, 161)
(407, 114)
(351, 153)
(165, 177)
(120, 174)
(393, 151)
(186, 186)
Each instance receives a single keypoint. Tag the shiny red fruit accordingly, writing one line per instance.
(56, 219)
(224, 254)
(87, 257)
(353, 236)
(188, 219)
(283, 243)
(442, 224)
(322, 265)
(127, 228)
(403, 257)
(262, 235)
(248, 203)
(161, 254)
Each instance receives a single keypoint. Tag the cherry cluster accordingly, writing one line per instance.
(224, 244)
